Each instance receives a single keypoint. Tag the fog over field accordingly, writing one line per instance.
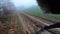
(22, 4)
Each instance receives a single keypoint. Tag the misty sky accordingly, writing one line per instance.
(24, 3)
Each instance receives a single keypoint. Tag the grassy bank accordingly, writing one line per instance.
(35, 10)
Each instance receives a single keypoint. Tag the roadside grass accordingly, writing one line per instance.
(18, 25)
(35, 10)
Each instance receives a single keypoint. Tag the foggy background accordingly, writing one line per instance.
(24, 4)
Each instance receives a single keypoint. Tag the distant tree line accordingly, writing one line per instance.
(6, 8)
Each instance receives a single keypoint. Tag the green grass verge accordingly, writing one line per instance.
(35, 10)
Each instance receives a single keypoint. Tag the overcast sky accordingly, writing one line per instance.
(25, 3)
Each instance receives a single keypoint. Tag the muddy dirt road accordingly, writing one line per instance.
(32, 23)
(21, 22)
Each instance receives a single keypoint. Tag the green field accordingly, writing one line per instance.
(35, 10)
